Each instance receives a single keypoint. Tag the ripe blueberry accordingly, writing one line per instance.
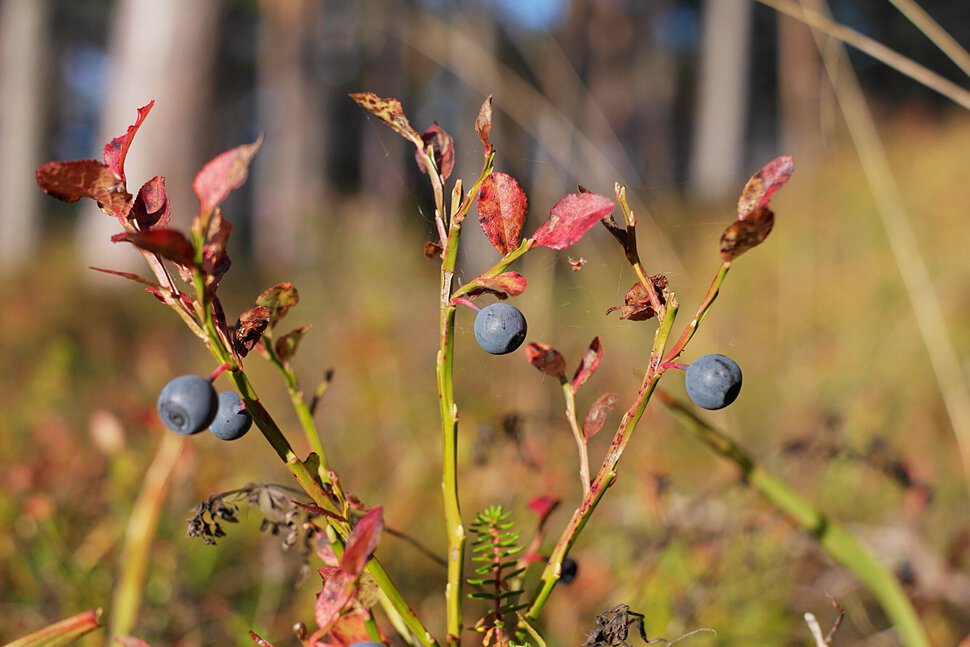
(500, 328)
(713, 381)
(187, 404)
(232, 421)
(569, 569)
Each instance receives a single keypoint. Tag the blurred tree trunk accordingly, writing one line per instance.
(799, 90)
(161, 51)
(23, 24)
(718, 151)
(291, 168)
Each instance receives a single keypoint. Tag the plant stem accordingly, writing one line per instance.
(570, 395)
(702, 311)
(834, 539)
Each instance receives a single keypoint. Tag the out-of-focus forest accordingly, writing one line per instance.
(850, 322)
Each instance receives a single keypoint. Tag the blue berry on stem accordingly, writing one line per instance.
(713, 381)
(500, 328)
(187, 404)
(569, 570)
(232, 421)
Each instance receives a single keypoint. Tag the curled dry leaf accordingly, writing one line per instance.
(637, 305)
(116, 150)
(483, 125)
(442, 149)
(249, 329)
(597, 414)
(151, 207)
(570, 218)
(769, 178)
(71, 181)
(390, 112)
(742, 235)
(224, 173)
(278, 299)
(588, 364)
(286, 345)
(502, 207)
(432, 250)
(215, 258)
(170, 244)
(506, 284)
(547, 359)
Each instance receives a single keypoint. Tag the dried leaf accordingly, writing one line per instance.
(215, 259)
(127, 275)
(390, 112)
(170, 244)
(432, 250)
(742, 235)
(547, 359)
(637, 302)
(502, 207)
(588, 364)
(597, 414)
(543, 506)
(442, 148)
(224, 173)
(570, 218)
(249, 329)
(771, 177)
(287, 344)
(71, 181)
(151, 207)
(506, 284)
(279, 299)
(336, 595)
(619, 233)
(483, 124)
(116, 150)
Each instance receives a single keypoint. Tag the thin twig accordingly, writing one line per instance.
(937, 35)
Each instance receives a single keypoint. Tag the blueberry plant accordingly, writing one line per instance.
(513, 579)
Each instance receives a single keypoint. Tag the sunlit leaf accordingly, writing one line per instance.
(637, 306)
(170, 244)
(61, 633)
(363, 541)
(390, 112)
(279, 299)
(442, 148)
(483, 124)
(742, 235)
(769, 178)
(286, 345)
(249, 329)
(597, 414)
(151, 207)
(506, 284)
(570, 218)
(71, 181)
(224, 173)
(502, 207)
(588, 363)
(543, 506)
(547, 359)
(116, 150)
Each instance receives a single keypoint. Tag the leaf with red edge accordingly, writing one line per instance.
(249, 329)
(570, 218)
(362, 541)
(547, 359)
(588, 364)
(637, 306)
(215, 259)
(442, 149)
(127, 275)
(390, 112)
(502, 207)
(597, 414)
(170, 244)
(279, 299)
(769, 178)
(543, 506)
(337, 594)
(320, 512)
(224, 173)
(742, 235)
(483, 124)
(506, 284)
(116, 150)
(131, 641)
(286, 345)
(262, 642)
(151, 207)
(62, 633)
(71, 181)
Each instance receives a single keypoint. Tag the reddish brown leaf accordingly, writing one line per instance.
(502, 206)
(771, 177)
(279, 299)
(432, 250)
(442, 148)
(287, 344)
(167, 243)
(483, 124)
(506, 284)
(362, 541)
(215, 259)
(742, 235)
(597, 414)
(390, 112)
(225, 172)
(71, 181)
(259, 641)
(588, 364)
(570, 218)
(547, 359)
(337, 594)
(151, 207)
(116, 150)
(249, 329)
(351, 629)
(637, 303)
(543, 506)
(127, 275)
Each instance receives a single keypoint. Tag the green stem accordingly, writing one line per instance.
(834, 539)
(570, 395)
(702, 311)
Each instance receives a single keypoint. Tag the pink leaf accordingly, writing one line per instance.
(71, 181)
(336, 595)
(167, 243)
(483, 124)
(128, 275)
(572, 217)
(363, 541)
(116, 150)
(547, 359)
(771, 177)
(502, 206)
(390, 112)
(588, 364)
(597, 414)
(151, 207)
(442, 148)
(225, 172)
(543, 506)
(506, 284)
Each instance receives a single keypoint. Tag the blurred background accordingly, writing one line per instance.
(851, 322)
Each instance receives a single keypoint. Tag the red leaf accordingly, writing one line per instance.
(128, 275)
(71, 181)
(543, 506)
(215, 260)
(742, 235)
(771, 177)
(442, 148)
(502, 206)
(279, 299)
(547, 359)
(362, 541)
(167, 243)
(225, 172)
(390, 112)
(483, 124)
(572, 217)
(588, 364)
(259, 641)
(351, 629)
(336, 595)
(151, 207)
(249, 329)
(506, 284)
(116, 150)
(287, 344)
(637, 303)
(597, 414)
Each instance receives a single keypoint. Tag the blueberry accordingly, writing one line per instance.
(232, 421)
(500, 328)
(569, 569)
(713, 381)
(187, 404)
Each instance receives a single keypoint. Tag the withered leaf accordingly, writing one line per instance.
(570, 218)
(286, 345)
(116, 150)
(390, 112)
(151, 207)
(637, 305)
(71, 181)
(128, 275)
(547, 359)
(278, 299)
(170, 244)
(597, 414)
(588, 364)
(506, 284)
(224, 173)
(502, 207)
(432, 250)
(742, 235)
(483, 124)
(249, 329)
(442, 148)
(215, 258)
(769, 178)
